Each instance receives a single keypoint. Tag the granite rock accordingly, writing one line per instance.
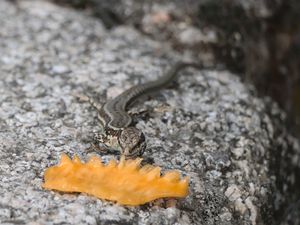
(210, 126)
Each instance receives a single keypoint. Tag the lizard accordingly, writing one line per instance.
(117, 122)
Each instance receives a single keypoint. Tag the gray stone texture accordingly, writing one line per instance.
(209, 125)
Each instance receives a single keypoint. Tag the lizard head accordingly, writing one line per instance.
(132, 141)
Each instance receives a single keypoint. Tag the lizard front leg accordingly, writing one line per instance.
(101, 143)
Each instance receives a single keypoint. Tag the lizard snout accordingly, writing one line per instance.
(132, 141)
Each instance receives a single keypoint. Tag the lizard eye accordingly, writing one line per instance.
(132, 142)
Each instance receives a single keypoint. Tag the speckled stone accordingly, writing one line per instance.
(210, 126)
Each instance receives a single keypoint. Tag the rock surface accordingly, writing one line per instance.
(211, 127)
